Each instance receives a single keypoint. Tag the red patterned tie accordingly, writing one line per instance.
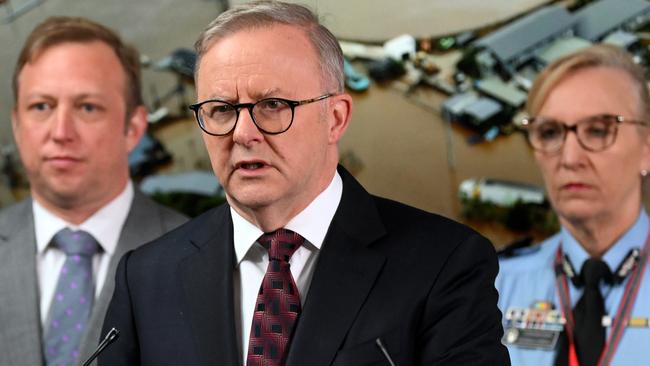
(278, 302)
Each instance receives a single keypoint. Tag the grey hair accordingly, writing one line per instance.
(260, 14)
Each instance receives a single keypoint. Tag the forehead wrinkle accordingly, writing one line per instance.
(257, 80)
(247, 74)
(254, 86)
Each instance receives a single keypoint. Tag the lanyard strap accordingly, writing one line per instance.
(622, 316)
(625, 306)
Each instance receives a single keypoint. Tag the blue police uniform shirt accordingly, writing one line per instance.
(530, 277)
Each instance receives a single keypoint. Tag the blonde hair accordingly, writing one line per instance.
(601, 55)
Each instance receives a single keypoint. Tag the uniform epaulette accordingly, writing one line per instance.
(518, 248)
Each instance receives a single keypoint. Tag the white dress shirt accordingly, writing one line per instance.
(105, 226)
(252, 259)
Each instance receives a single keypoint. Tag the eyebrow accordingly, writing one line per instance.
(46, 95)
(269, 93)
(89, 95)
(37, 95)
(585, 118)
(265, 93)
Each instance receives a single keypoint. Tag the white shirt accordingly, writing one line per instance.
(105, 226)
(252, 259)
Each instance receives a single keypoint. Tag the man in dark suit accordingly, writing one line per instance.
(78, 112)
(301, 266)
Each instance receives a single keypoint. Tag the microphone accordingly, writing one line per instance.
(383, 349)
(110, 337)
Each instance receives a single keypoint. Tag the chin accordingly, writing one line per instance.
(66, 199)
(250, 199)
(58, 186)
(578, 211)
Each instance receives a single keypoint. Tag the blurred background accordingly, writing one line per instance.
(436, 85)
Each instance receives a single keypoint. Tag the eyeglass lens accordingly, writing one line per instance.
(594, 133)
(270, 115)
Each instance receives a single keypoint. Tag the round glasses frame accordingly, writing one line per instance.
(528, 123)
(250, 106)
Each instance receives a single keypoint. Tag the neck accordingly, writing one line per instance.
(268, 219)
(596, 235)
(73, 215)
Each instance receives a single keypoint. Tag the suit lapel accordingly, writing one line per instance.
(20, 333)
(207, 278)
(142, 225)
(344, 275)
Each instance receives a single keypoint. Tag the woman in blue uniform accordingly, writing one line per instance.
(582, 297)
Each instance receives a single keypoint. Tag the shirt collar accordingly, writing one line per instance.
(634, 237)
(311, 223)
(105, 225)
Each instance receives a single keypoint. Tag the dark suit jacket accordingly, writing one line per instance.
(20, 321)
(421, 283)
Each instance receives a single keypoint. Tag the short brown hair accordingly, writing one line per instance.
(57, 30)
(259, 14)
(601, 55)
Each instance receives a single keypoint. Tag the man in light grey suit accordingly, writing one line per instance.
(78, 113)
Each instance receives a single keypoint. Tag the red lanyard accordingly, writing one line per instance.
(624, 308)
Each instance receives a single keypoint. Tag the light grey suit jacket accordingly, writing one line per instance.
(20, 319)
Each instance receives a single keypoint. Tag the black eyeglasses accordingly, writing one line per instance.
(271, 115)
(595, 133)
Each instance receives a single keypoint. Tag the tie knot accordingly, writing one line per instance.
(75, 242)
(593, 271)
(281, 244)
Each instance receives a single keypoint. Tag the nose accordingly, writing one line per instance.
(246, 132)
(572, 153)
(63, 125)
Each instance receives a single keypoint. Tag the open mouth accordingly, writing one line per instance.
(251, 166)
